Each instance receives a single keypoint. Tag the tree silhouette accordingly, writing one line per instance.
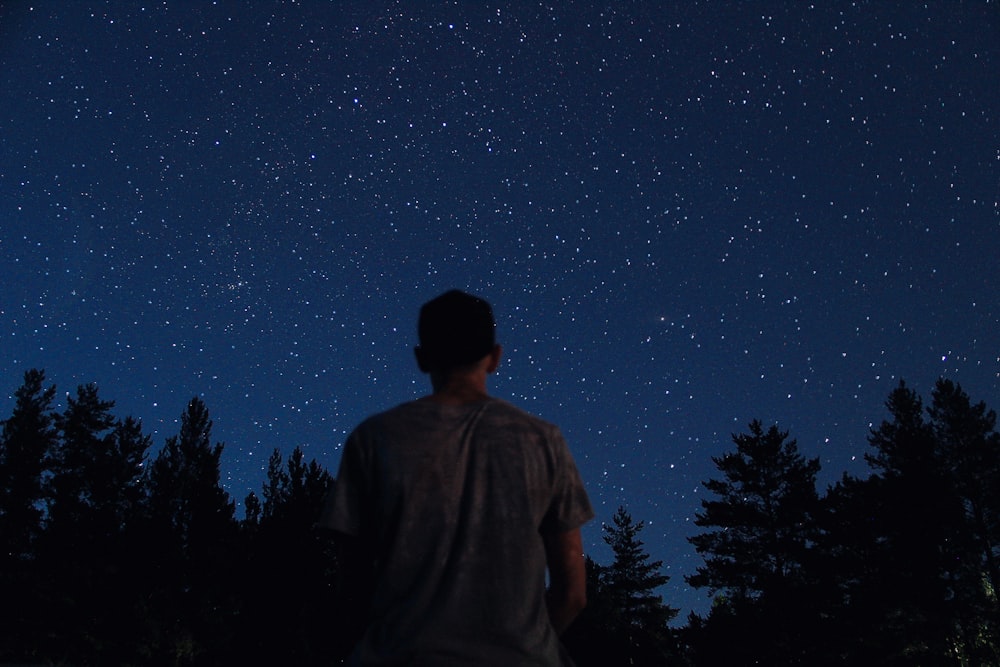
(765, 515)
(968, 449)
(296, 493)
(906, 521)
(758, 556)
(632, 579)
(26, 440)
(89, 548)
(625, 621)
(194, 528)
(185, 491)
(910, 549)
(290, 568)
(105, 560)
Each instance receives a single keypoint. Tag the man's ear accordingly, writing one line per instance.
(495, 354)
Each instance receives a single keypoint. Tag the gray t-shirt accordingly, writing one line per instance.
(454, 501)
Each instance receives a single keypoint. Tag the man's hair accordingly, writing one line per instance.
(455, 329)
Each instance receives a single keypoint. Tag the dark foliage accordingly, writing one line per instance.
(896, 569)
(758, 556)
(289, 569)
(26, 441)
(89, 555)
(889, 541)
(107, 557)
(626, 621)
(764, 515)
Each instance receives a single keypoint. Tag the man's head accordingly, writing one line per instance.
(455, 329)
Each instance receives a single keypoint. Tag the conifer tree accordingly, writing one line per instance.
(185, 483)
(764, 516)
(625, 621)
(89, 549)
(968, 448)
(296, 492)
(631, 580)
(758, 557)
(287, 612)
(26, 441)
(79, 465)
(195, 535)
(251, 511)
(891, 542)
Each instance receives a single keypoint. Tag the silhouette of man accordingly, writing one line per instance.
(455, 505)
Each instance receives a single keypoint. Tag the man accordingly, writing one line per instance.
(457, 503)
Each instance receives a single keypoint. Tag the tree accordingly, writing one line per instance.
(906, 520)
(295, 494)
(185, 489)
(968, 449)
(758, 557)
(765, 515)
(79, 474)
(89, 550)
(625, 621)
(884, 569)
(911, 548)
(194, 529)
(26, 440)
(287, 611)
(251, 511)
(632, 579)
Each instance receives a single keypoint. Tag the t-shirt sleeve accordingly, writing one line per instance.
(346, 502)
(570, 507)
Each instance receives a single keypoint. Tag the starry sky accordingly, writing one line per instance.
(686, 215)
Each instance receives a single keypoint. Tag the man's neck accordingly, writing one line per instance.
(459, 389)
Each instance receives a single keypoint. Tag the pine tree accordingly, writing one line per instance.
(632, 579)
(90, 550)
(286, 615)
(968, 449)
(759, 555)
(275, 491)
(625, 621)
(26, 441)
(251, 511)
(194, 529)
(764, 515)
(185, 486)
(889, 547)
(295, 493)
(919, 520)
(80, 476)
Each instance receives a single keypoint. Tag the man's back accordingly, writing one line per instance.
(454, 500)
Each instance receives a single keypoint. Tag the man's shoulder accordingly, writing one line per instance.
(396, 413)
(506, 411)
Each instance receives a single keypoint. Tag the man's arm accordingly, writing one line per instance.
(567, 594)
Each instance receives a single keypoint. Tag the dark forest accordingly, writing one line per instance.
(112, 554)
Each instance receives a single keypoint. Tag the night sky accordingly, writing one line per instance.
(686, 217)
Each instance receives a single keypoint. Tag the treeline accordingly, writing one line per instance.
(899, 568)
(110, 555)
